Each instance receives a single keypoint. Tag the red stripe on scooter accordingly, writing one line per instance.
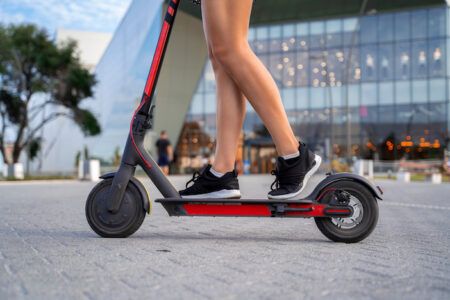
(331, 211)
(156, 58)
(242, 210)
(317, 210)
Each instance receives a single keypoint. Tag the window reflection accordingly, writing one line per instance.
(391, 69)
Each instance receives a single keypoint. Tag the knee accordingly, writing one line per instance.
(214, 63)
(226, 54)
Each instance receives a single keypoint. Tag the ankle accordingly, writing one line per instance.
(289, 150)
(222, 168)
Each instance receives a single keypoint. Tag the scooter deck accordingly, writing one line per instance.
(303, 208)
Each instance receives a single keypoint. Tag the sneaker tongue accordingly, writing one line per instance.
(281, 161)
(205, 169)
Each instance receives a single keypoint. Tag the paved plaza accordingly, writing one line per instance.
(48, 251)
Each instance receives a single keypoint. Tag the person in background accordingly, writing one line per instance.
(165, 152)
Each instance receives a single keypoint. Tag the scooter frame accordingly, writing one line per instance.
(135, 154)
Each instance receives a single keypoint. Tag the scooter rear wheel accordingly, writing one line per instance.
(363, 221)
(122, 224)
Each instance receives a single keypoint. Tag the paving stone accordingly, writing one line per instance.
(48, 251)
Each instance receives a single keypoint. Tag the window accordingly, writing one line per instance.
(335, 66)
(289, 69)
(436, 57)
(302, 99)
(197, 104)
(369, 61)
(386, 62)
(336, 96)
(403, 60)
(302, 40)
(210, 103)
(288, 96)
(419, 59)
(317, 34)
(402, 26)
(386, 92)
(353, 94)
(436, 22)
(349, 27)
(275, 44)
(386, 27)
(334, 33)
(276, 66)
(354, 75)
(403, 91)
(368, 94)
(437, 90)
(318, 98)
(301, 69)
(419, 21)
(368, 29)
(317, 69)
(288, 41)
(251, 34)
(419, 91)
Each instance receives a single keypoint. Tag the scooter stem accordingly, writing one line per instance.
(134, 152)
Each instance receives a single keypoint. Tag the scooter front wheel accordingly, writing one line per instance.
(363, 220)
(122, 224)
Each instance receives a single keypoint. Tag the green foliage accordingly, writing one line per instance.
(34, 147)
(86, 153)
(117, 157)
(86, 121)
(31, 63)
(77, 158)
(13, 106)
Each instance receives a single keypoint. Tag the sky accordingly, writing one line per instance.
(90, 15)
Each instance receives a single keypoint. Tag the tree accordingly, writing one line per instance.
(37, 76)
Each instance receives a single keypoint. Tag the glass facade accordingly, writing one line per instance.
(121, 74)
(381, 79)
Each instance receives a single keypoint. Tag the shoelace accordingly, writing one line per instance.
(194, 178)
(276, 181)
(284, 179)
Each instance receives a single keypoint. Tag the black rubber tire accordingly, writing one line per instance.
(368, 222)
(122, 224)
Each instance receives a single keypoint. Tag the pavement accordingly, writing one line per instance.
(48, 251)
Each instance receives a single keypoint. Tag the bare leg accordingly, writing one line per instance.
(229, 118)
(226, 25)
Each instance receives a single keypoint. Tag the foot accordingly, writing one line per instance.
(293, 174)
(207, 185)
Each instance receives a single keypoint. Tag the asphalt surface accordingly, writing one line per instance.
(48, 251)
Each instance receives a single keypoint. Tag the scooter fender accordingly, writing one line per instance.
(331, 178)
(144, 194)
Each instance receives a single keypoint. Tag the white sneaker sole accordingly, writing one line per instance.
(308, 175)
(224, 194)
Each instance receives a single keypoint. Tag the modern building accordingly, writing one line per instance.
(61, 138)
(91, 45)
(358, 78)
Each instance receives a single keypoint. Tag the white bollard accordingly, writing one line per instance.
(404, 177)
(436, 178)
(14, 171)
(94, 170)
(89, 170)
(364, 167)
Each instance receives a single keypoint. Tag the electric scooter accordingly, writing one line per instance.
(343, 205)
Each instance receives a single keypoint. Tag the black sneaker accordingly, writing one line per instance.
(293, 174)
(206, 185)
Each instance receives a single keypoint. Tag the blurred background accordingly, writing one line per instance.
(366, 83)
